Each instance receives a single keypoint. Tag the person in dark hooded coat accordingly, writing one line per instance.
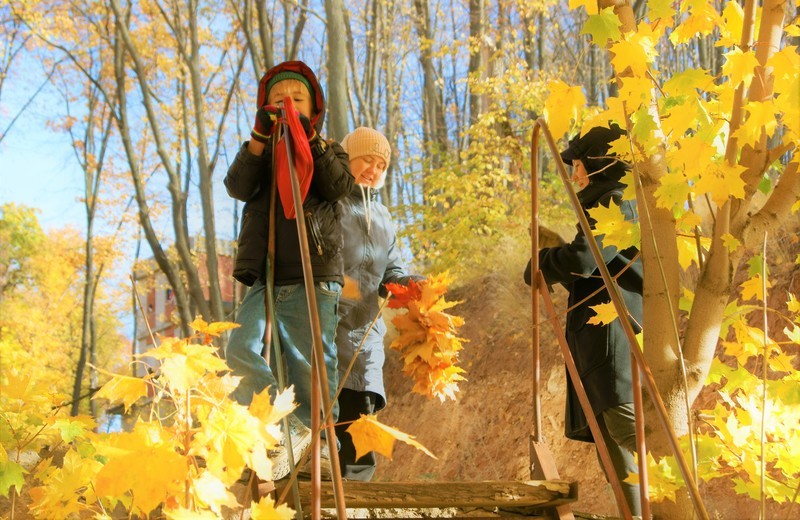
(249, 179)
(601, 352)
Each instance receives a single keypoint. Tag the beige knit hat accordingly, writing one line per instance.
(366, 141)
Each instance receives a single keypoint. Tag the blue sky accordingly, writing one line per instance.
(38, 174)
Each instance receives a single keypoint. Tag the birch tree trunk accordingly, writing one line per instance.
(737, 217)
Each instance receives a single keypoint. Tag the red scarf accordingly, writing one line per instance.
(303, 160)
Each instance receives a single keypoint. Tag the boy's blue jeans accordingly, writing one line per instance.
(243, 353)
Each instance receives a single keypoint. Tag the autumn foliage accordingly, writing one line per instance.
(428, 343)
(187, 449)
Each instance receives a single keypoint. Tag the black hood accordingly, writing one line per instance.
(592, 149)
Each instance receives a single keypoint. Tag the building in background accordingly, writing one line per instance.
(158, 299)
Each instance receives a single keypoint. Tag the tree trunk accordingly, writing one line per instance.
(337, 120)
(173, 277)
(435, 129)
(206, 171)
(478, 58)
(91, 157)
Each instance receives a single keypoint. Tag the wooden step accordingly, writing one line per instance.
(424, 494)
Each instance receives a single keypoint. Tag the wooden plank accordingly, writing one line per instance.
(536, 493)
(543, 467)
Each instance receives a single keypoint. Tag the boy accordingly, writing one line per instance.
(250, 179)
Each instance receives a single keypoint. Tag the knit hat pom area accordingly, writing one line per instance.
(366, 141)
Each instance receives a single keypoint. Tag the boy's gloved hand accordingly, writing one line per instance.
(310, 132)
(265, 123)
(549, 238)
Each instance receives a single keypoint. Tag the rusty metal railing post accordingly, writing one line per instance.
(320, 378)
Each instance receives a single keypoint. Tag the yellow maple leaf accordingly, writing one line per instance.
(739, 66)
(741, 350)
(722, 182)
(268, 410)
(678, 119)
(636, 90)
(211, 330)
(730, 242)
(779, 361)
(211, 492)
(663, 478)
(563, 105)
(369, 434)
(760, 119)
(589, 5)
(18, 386)
(444, 384)
(60, 494)
(605, 314)
(692, 154)
(662, 9)
(145, 464)
(687, 249)
(636, 52)
(427, 341)
(731, 27)
(793, 305)
(615, 112)
(629, 193)
(615, 230)
(124, 388)
(702, 20)
(793, 28)
(785, 71)
(686, 82)
(184, 364)
(621, 147)
(265, 509)
(689, 221)
(226, 439)
(752, 288)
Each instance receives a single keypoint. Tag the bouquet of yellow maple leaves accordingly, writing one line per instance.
(428, 343)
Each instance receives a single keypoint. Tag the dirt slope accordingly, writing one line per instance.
(485, 434)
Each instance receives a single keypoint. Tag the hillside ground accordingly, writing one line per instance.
(484, 435)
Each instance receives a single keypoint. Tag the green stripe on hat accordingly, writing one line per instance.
(288, 74)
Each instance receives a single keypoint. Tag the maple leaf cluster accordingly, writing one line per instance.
(184, 459)
(428, 343)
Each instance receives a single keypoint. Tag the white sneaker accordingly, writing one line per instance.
(300, 436)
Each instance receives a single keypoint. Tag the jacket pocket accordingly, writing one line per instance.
(251, 254)
(313, 232)
(324, 231)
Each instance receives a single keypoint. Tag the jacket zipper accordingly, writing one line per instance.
(312, 225)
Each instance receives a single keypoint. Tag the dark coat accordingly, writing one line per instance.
(601, 353)
(249, 179)
(372, 259)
